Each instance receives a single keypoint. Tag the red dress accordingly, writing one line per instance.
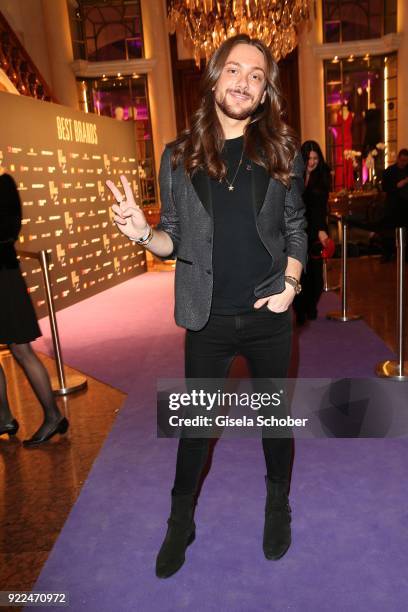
(344, 141)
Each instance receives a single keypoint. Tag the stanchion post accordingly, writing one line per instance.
(398, 370)
(326, 286)
(76, 382)
(344, 315)
(325, 282)
(44, 261)
(344, 287)
(401, 246)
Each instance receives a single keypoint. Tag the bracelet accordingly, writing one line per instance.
(291, 280)
(144, 240)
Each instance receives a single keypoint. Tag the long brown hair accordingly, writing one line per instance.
(268, 140)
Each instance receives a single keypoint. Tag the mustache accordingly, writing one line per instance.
(239, 91)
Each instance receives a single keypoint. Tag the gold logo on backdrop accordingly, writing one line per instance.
(107, 162)
(61, 254)
(75, 280)
(106, 243)
(101, 191)
(76, 131)
(53, 191)
(62, 160)
(68, 222)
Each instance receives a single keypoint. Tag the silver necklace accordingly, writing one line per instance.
(231, 183)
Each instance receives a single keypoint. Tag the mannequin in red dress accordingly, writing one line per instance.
(344, 142)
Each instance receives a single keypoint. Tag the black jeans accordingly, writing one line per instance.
(264, 339)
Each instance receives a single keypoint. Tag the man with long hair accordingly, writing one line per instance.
(233, 216)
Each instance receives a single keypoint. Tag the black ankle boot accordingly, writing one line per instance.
(180, 533)
(277, 533)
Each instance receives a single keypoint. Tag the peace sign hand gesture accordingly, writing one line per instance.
(128, 216)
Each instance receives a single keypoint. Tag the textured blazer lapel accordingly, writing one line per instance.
(202, 187)
(260, 181)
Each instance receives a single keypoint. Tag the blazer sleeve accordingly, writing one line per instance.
(169, 221)
(294, 214)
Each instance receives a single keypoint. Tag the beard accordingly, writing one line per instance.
(229, 110)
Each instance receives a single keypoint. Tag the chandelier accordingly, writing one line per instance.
(207, 23)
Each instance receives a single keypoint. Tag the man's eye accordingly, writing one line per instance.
(231, 70)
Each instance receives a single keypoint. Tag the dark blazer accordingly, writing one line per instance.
(10, 221)
(186, 215)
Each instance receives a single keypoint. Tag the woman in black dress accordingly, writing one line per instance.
(315, 197)
(18, 324)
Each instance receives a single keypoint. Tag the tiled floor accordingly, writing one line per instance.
(373, 294)
(39, 486)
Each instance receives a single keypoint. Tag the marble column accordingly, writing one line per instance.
(402, 77)
(160, 81)
(311, 80)
(58, 39)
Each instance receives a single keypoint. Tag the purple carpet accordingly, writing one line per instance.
(119, 335)
(349, 503)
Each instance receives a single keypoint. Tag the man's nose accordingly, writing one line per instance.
(243, 81)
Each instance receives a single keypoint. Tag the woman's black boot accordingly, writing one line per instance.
(277, 533)
(180, 533)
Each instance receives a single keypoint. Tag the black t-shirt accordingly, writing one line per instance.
(240, 260)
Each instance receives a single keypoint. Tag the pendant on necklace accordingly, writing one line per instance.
(231, 187)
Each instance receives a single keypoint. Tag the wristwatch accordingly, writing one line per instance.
(291, 280)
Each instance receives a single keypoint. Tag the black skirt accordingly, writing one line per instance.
(18, 321)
